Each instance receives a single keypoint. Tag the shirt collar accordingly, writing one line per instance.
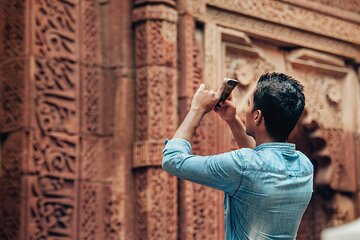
(282, 146)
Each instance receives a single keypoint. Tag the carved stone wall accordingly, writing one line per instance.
(155, 27)
(90, 89)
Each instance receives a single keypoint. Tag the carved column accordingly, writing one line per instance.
(14, 115)
(55, 129)
(155, 117)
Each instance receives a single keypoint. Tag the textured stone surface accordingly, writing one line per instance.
(91, 89)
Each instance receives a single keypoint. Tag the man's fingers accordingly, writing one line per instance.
(201, 87)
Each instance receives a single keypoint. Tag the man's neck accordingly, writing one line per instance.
(264, 138)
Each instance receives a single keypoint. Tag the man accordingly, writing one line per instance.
(267, 183)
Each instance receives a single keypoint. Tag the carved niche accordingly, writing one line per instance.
(246, 61)
(329, 129)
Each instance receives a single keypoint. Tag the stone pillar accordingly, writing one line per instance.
(155, 117)
(56, 131)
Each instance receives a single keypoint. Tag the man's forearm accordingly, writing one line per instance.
(190, 123)
(238, 130)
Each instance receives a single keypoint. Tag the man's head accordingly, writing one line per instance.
(278, 102)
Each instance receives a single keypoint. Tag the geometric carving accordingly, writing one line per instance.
(90, 39)
(98, 99)
(94, 151)
(13, 95)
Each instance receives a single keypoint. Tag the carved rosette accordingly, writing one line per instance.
(155, 117)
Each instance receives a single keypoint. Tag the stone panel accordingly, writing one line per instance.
(90, 38)
(282, 34)
(155, 102)
(297, 17)
(51, 209)
(155, 43)
(156, 204)
(98, 99)
(99, 212)
(13, 29)
(97, 159)
(11, 207)
(14, 95)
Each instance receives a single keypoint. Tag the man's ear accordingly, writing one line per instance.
(258, 117)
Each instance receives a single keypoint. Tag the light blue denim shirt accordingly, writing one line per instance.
(267, 189)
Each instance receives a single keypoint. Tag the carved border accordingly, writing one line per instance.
(294, 16)
(282, 34)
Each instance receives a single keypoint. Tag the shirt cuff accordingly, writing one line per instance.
(179, 144)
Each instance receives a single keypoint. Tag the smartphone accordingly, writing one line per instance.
(230, 85)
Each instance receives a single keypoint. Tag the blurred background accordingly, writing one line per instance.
(90, 89)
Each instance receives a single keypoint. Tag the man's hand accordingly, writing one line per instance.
(205, 100)
(227, 110)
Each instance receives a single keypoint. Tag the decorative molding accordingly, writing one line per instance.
(345, 9)
(282, 34)
(293, 16)
(319, 61)
(148, 153)
(157, 12)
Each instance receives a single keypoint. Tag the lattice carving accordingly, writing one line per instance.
(90, 209)
(95, 150)
(90, 32)
(98, 95)
(13, 95)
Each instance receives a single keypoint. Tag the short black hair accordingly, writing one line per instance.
(281, 100)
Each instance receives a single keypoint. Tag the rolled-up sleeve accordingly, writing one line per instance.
(223, 171)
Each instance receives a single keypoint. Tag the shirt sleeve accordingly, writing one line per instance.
(223, 171)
